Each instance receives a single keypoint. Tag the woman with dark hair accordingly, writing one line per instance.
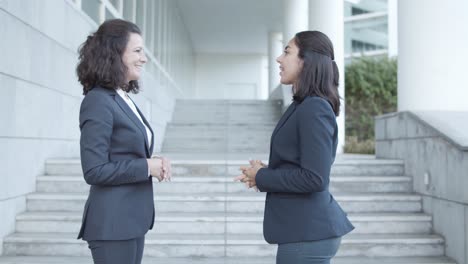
(301, 215)
(116, 145)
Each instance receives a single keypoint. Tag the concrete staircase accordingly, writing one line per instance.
(204, 217)
(224, 126)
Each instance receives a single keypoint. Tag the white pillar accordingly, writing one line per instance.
(275, 48)
(327, 16)
(432, 55)
(295, 18)
(392, 11)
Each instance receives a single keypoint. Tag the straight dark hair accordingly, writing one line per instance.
(100, 57)
(319, 75)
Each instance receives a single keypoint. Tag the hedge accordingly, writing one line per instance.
(371, 90)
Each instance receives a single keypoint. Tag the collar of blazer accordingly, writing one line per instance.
(284, 118)
(281, 122)
(126, 109)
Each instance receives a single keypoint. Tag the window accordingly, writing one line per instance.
(109, 15)
(360, 46)
(358, 11)
(140, 14)
(129, 10)
(116, 4)
(92, 9)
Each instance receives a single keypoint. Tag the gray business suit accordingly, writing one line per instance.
(114, 148)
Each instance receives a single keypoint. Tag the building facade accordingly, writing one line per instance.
(214, 50)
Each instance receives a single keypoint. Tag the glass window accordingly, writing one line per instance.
(91, 8)
(140, 14)
(109, 15)
(115, 3)
(360, 46)
(156, 26)
(358, 11)
(128, 8)
(149, 22)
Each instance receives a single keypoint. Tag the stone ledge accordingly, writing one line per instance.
(449, 125)
(403, 125)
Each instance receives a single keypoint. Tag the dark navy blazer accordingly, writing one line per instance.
(114, 148)
(298, 205)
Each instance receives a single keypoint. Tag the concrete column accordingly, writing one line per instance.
(275, 48)
(432, 55)
(392, 11)
(295, 18)
(328, 17)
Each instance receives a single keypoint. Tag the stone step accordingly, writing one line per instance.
(250, 112)
(245, 115)
(257, 139)
(214, 120)
(262, 126)
(197, 143)
(197, 149)
(222, 202)
(186, 245)
(221, 120)
(222, 109)
(226, 107)
(207, 101)
(226, 260)
(204, 141)
(247, 111)
(231, 103)
(252, 117)
(202, 149)
(220, 223)
(229, 132)
(358, 167)
(263, 137)
(209, 184)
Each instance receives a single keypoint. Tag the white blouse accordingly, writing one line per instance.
(132, 106)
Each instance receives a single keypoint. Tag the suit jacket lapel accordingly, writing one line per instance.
(129, 112)
(280, 124)
(149, 145)
(284, 118)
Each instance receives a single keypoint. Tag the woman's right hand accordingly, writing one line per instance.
(156, 168)
(260, 163)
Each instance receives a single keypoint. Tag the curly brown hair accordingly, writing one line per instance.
(100, 57)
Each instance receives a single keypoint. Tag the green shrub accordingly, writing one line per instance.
(371, 90)
(352, 145)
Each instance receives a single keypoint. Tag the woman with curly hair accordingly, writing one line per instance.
(116, 145)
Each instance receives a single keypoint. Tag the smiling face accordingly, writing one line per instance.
(290, 63)
(134, 57)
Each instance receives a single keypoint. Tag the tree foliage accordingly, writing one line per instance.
(371, 90)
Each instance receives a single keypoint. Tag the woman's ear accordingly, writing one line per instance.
(301, 63)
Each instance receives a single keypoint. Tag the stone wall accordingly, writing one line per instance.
(434, 149)
(40, 95)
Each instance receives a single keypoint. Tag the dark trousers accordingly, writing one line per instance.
(308, 252)
(117, 251)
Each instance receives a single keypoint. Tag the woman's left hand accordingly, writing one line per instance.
(250, 173)
(166, 168)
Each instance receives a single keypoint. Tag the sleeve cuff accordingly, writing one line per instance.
(259, 179)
